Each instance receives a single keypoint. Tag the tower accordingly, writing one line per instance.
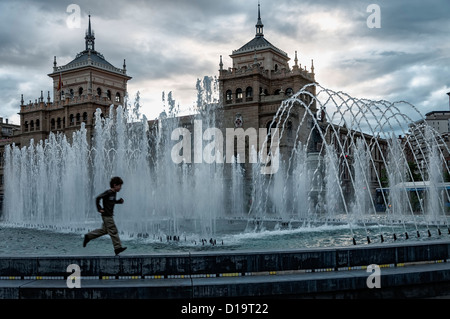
(259, 80)
(80, 87)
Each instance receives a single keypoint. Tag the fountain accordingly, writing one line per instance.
(349, 181)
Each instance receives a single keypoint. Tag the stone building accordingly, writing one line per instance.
(80, 87)
(416, 141)
(7, 133)
(252, 90)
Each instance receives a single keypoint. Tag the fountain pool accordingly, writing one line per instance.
(344, 178)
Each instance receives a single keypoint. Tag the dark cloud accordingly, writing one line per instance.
(180, 41)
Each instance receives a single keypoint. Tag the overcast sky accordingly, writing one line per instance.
(169, 44)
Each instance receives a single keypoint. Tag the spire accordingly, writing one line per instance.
(89, 28)
(259, 25)
(221, 64)
(89, 38)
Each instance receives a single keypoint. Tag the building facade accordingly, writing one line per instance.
(87, 83)
(7, 133)
(416, 142)
(260, 79)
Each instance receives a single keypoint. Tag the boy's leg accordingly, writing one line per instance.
(97, 233)
(112, 231)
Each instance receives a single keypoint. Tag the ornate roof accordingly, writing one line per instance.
(259, 42)
(90, 57)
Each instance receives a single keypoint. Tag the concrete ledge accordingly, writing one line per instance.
(404, 282)
(223, 262)
(408, 270)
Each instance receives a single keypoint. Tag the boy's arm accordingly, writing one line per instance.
(97, 201)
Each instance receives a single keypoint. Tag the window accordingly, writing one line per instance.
(85, 117)
(58, 123)
(229, 96)
(108, 94)
(117, 97)
(71, 93)
(37, 124)
(32, 125)
(289, 91)
(276, 67)
(99, 92)
(52, 124)
(239, 95)
(78, 118)
(80, 91)
(289, 129)
(71, 119)
(249, 93)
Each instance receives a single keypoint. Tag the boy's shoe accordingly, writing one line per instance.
(85, 241)
(119, 250)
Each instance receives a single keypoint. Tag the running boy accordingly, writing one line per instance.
(109, 227)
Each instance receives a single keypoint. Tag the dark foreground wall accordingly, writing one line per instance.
(230, 262)
(408, 270)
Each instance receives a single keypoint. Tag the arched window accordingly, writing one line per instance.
(26, 126)
(71, 120)
(99, 92)
(276, 67)
(80, 91)
(37, 124)
(239, 95)
(229, 96)
(108, 94)
(71, 93)
(32, 125)
(249, 93)
(85, 117)
(277, 92)
(117, 97)
(289, 91)
(289, 129)
(58, 123)
(52, 124)
(78, 118)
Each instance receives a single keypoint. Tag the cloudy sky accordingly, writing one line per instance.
(169, 44)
